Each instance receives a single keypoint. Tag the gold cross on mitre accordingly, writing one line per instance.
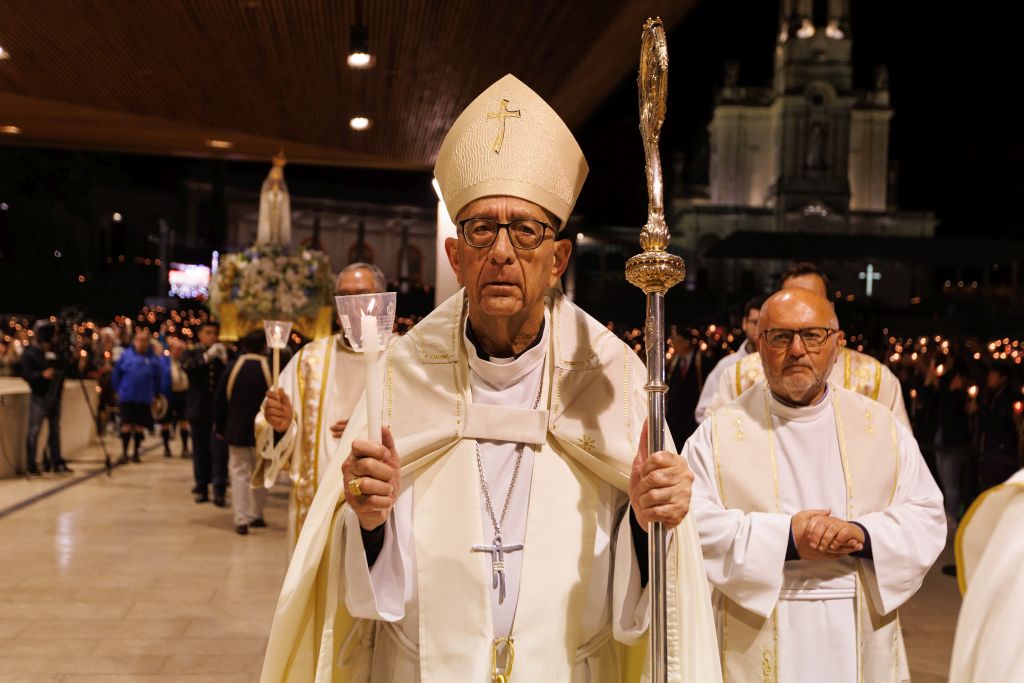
(502, 114)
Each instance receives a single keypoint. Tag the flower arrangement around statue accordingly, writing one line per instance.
(269, 281)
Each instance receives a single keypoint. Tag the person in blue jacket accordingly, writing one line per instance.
(138, 379)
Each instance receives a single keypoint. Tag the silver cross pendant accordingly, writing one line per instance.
(497, 551)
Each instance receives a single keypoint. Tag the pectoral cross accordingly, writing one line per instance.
(497, 551)
(502, 114)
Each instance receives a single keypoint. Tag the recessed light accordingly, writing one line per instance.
(10, 130)
(359, 123)
(360, 60)
(117, 217)
(220, 144)
(4, 54)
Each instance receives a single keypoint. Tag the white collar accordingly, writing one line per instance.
(788, 411)
(499, 373)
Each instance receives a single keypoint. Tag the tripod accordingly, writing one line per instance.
(94, 413)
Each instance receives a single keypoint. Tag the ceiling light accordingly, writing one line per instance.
(4, 54)
(359, 56)
(117, 217)
(220, 144)
(360, 60)
(10, 130)
(359, 123)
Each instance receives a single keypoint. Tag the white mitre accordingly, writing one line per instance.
(509, 141)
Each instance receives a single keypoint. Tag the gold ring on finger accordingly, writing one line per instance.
(353, 486)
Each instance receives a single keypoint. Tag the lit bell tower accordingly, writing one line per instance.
(813, 88)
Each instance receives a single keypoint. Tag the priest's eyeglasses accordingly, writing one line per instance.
(812, 337)
(523, 234)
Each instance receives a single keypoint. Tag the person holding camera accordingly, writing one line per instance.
(138, 379)
(43, 366)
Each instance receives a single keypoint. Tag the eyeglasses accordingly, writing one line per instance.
(523, 234)
(812, 337)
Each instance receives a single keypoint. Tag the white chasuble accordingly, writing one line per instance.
(853, 370)
(757, 462)
(990, 558)
(323, 381)
(428, 610)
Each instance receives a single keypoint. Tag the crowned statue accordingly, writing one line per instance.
(275, 218)
(271, 279)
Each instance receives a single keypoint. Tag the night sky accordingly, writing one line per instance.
(956, 81)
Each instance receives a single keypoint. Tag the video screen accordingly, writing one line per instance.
(189, 281)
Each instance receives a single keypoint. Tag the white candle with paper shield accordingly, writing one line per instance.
(367, 321)
(277, 332)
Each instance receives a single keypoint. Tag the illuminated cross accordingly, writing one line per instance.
(870, 275)
(502, 114)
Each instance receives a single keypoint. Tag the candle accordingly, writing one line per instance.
(371, 351)
(277, 332)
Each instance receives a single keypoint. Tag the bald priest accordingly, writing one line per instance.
(496, 530)
(817, 514)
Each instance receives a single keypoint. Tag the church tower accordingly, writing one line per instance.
(810, 143)
(808, 153)
(813, 89)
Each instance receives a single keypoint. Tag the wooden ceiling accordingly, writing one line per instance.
(165, 76)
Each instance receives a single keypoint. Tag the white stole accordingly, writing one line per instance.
(747, 475)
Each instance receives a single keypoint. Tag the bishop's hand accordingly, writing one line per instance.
(372, 479)
(660, 486)
(819, 536)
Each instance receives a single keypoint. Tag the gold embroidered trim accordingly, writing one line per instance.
(718, 473)
(958, 543)
(390, 356)
(896, 450)
(846, 368)
(878, 381)
(303, 439)
(456, 326)
(840, 432)
(725, 636)
(739, 380)
(626, 391)
(320, 419)
(432, 356)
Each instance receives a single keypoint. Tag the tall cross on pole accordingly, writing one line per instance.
(869, 275)
(502, 114)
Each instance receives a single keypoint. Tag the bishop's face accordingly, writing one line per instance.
(502, 281)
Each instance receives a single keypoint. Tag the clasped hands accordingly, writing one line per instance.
(819, 536)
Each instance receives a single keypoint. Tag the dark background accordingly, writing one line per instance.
(956, 143)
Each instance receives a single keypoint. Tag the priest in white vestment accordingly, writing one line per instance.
(751, 312)
(817, 515)
(852, 370)
(500, 533)
(990, 568)
(301, 422)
